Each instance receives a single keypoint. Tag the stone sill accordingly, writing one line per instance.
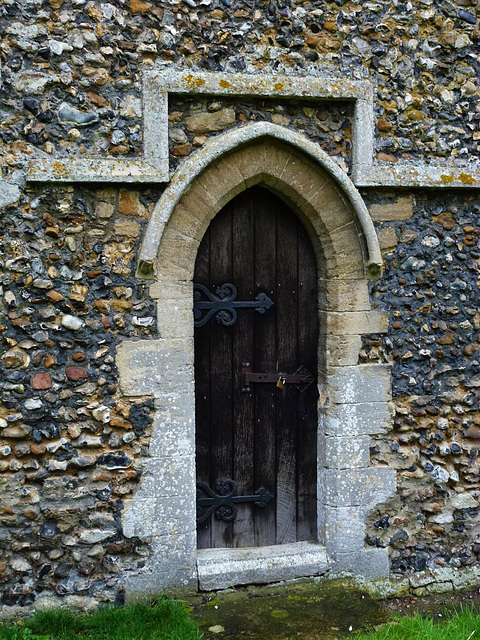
(222, 568)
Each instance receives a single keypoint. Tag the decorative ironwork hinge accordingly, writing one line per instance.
(223, 503)
(223, 305)
(301, 379)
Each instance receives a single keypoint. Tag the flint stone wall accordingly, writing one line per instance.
(72, 446)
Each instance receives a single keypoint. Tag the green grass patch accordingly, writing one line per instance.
(463, 624)
(160, 619)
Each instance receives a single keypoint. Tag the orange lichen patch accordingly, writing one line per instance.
(466, 178)
(59, 167)
(225, 84)
(278, 86)
(193, 82)
(446, 179)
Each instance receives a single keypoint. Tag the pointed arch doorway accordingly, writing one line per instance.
(354, 399)
(256, 435)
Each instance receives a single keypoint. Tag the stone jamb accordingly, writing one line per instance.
(354, 399)
(153, 166)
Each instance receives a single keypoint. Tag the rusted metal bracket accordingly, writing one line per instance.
(301, 379)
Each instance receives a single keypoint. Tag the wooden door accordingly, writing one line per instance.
(265, 438)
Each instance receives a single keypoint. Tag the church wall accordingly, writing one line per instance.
(72, 446)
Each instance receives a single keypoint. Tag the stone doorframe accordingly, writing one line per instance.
(354, 399)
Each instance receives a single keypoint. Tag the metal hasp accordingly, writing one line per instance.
(223, 305)
(301, 379)
(223, 503)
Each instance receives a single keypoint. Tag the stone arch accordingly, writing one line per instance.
(242, 175)
(353, 398)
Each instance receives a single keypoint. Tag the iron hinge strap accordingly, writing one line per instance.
(224, 502)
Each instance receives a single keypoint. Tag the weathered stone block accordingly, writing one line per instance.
(128, 228)
(174, 308)
(355, 322)
(332, 209)
(356, 487)
(344, 452)
(208, 122)
(359, 384)
(149, 367)
(177, 261)
(371, 564)
(357, 419)
(159, 516)
(167, 476)
(343, 529)
(344, 295)
(387, 239)
(342, 350)
(104, 210)
(224, 182)
(171, 566)
(222, 568)
(399, 210)
(174, 426)
(344, 253)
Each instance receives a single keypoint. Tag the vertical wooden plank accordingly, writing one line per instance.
(221, 403)
(202, 389)
(287, 296)
(307, 401)
(243, 350)
(265, 361)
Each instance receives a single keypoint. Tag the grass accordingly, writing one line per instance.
(160, 619)
(463, 624)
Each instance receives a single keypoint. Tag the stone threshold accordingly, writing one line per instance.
(222, 568)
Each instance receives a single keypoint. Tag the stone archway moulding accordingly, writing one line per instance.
(160, 82)
(221, 145)
(354, 399)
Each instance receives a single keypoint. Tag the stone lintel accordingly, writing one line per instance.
(420, 175)
(243, 84)
(96, 170)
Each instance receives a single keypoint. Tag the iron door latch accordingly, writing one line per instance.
(301, 379)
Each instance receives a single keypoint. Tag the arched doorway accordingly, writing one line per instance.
(256, 434)
(353, 398)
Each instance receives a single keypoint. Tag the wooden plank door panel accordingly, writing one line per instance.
(263, 396)
(267, 437)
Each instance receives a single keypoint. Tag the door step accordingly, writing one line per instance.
(222, 568)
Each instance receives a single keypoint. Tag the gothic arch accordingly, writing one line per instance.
(230, 153)
(353, 398)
